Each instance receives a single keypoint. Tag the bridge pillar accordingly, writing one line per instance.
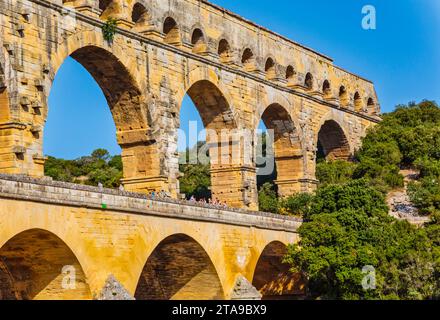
(142, 165)
(233, 174)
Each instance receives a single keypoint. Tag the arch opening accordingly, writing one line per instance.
(171, 31)
(308, 82)
(139, 15)
(371, 105)
(290, 74)
(343, 96)
(248, 60)
(198, 41)
(273, 278)
(284, 160)
(332, 142)
(104, 4)
(37, 265)
(215, 150)
(357, 102)
(179, 269)
(224, 51)
(326, 89)
(128, 119)
(269, 68)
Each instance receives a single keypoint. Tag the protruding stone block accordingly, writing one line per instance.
(244, 290)
(114, 290)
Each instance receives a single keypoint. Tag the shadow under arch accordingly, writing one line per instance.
(179, 269)
(273, 278)
(333, 142)
(34, 264)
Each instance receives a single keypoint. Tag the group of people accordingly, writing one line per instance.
(216, 202)
(163, 195)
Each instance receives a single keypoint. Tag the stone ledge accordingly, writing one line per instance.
(24, 188)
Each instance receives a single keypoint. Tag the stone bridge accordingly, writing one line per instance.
(121, 245)
(236, 72)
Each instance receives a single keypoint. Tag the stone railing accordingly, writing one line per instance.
(18, 187)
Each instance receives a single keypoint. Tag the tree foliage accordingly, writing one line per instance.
(99, 167)
(348, 228)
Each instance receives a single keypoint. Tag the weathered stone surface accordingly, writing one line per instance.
(161, 51)
(244, 290)
(156, 249)
(114, 290)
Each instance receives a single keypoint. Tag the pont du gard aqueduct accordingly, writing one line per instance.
(118, 244)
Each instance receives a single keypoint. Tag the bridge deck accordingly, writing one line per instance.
(53, 192)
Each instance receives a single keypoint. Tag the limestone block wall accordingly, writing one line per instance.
(108, 234)
(235, 72)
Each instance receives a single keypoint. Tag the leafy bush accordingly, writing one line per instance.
(109, 29)
(348, 228)
(99, 167)
(334, 172)
(267, 198)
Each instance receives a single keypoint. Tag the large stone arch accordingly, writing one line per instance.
(123, 84)
(113, 69)
(278, 115)
(219, 91)
(232, 175)
(34, 264)
(333, 135)
(272, 277)
(179, 268)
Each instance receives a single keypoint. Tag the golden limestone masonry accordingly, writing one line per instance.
(237, 73)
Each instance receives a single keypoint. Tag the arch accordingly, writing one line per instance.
(308, 81)
(343, 96)
(139, 15)
(273, 278)
(179, 268)
(224, 51)
(287, 145)
(214, 108)
(248, 59)
(33, 265)
(214, 100)
(371, 105)
(121, 82)
(104, 4)
(290, 73)
(171, 31)
(269, 68)
(123, 95)
(198, 41)
(326, 89)
(334, 141)
(357, 101)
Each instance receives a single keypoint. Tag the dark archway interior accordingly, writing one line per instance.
(333, 142)
(179, 269)
(103, 4)
(139, 14)
(171, 31)
(31, 266)
(273, 278)
(224, 50)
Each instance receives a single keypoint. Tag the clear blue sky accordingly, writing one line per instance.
(402, 57)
